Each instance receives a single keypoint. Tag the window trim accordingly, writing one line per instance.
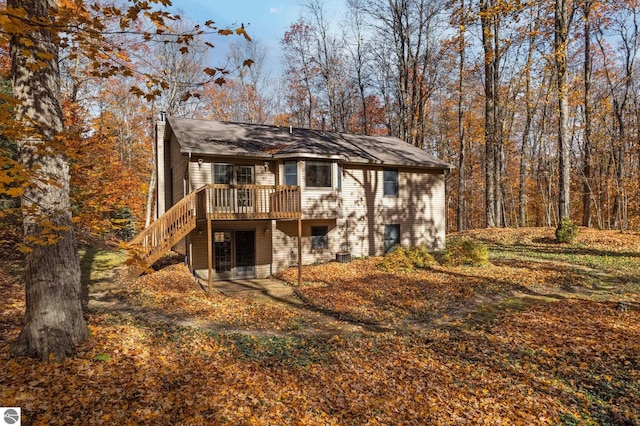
(395, 183)
(321, 234)
(327, 164)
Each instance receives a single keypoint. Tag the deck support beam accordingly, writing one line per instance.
(209, 257)
(299, 251)
(299, 238)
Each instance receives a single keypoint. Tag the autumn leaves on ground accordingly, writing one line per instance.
(545, 334)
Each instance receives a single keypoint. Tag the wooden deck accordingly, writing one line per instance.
(212, 202)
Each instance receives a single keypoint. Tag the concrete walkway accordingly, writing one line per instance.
(250, 286)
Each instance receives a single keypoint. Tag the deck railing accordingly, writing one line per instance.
(158, 238)
(228, 202)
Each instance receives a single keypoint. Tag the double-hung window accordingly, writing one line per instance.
(290, 173)
(222, 173)
(390, 181)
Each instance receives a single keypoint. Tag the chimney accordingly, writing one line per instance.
(161, 194)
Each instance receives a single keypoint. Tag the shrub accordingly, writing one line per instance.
(567, 231)
(406, 259)
(465, 251)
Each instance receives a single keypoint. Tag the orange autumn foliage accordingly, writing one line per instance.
(526, 340)
(108, 184)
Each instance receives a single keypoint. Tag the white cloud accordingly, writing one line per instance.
(275, 10)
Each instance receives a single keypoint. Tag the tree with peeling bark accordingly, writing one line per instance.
(34, 29)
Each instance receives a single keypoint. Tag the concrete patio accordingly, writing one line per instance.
(250, 286)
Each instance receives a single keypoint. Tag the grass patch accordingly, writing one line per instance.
(278, 350)
(95, 264)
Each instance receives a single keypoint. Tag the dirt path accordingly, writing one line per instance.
(107, 294)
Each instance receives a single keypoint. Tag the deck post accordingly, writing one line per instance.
(209, 257)
(299, 200)
(299, 250)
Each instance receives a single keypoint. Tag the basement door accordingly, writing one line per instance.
(234, 254)
(245, 261)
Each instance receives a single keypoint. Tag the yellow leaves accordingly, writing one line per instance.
(241, 31)
(12, 21)
(123, 56)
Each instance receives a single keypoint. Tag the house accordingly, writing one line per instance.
(245, 200)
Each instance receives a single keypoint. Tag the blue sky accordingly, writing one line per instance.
(265, 20)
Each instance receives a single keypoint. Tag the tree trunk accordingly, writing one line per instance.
(586, 159)
(461, 159)
(561, 48)
(618, 158)
(54, 324)
(490, 89)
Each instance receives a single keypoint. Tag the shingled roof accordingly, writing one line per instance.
(207, 137)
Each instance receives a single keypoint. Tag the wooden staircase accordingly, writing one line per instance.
(156, 240)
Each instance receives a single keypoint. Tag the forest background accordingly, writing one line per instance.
(472, 82)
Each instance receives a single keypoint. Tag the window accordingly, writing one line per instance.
(291, 173)
(222, 173)
(228, 174)
(244, 175)
(391, 237)
(317, 174)
(390, 180)
(319, 238)
(339, 177)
